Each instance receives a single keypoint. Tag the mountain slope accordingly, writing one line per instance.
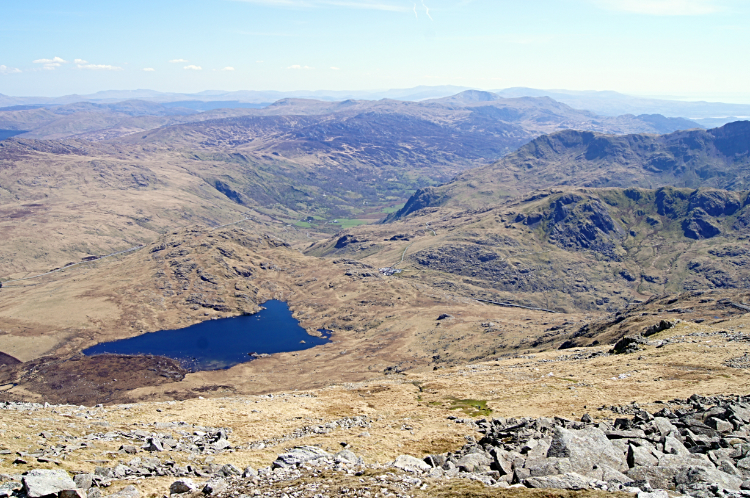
(568, 249)
(718, 158)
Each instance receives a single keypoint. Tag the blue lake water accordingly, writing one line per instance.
(9, 133)
(217, 344)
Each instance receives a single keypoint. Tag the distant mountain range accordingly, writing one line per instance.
(485, 115)
(607, 103)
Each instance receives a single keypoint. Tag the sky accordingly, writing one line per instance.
(692, 49)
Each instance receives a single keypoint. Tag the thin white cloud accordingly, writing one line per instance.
(335, 68)
(663, 7)
(54, 60)
(427, 11)
(149, 69)
(415, 12)
(176, 61)
(8, 70)
(351, 4)
(80, 61)
(192, 67)
(228, 68)
(50, 64)
(99, 67)
(297, 66)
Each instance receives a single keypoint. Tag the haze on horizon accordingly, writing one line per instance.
(685, 49)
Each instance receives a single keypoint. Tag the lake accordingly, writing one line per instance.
(222, 343)
(10, 133)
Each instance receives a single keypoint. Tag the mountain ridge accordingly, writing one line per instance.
(718, 158)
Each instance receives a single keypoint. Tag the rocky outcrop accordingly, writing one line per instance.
(700, 449)
(699, 225)
(422, 198)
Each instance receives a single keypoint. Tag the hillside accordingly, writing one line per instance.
(717, 158)
(567, 249)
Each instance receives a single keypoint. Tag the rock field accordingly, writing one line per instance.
(698, 447)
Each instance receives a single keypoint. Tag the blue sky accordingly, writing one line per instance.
(682, 48)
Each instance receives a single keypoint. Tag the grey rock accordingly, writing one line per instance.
(42, 482)
(127, 492)
(83, 481)
(410, 463)
(639, 456)
(474, 462)
(121, 471)
(215, 486)
(659, 493)
(182, 486)
(744, 463)
(7, 488)
(613, 476)
(94, 493)
(153, 444)
(728, 467)
(720, 425)
(548, 466)
(229, 470)
(435, 461)
(696, 475)
(657, 477)
(129, 449)
(570, 480)
(585, 448)
(221, 444)
(347, 456)
(691, 459)
(664, 426)
(674, 446)
(299, 455)
(745, 485)
(249, 472)
(72, 493)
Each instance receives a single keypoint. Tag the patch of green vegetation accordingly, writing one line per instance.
(303, 224)
(391, 209)
(350, 222)
(471, 407)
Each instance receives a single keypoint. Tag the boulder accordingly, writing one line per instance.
(7, 489)
(83, 481)
(348, 457)
(474, 462)
(43, 482)
(548, 466)
(674, 446)
(153, 444)
(249, 473)
(689, 460)
(720, 425)
(127, 492)
(570, 480)
(182, 486)
(215, 486)
(229, 470)
(410, 463)
(299, 455)
(629, 344)
(639, 456)
(703, 475)
(657, 477)
(585, 448)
